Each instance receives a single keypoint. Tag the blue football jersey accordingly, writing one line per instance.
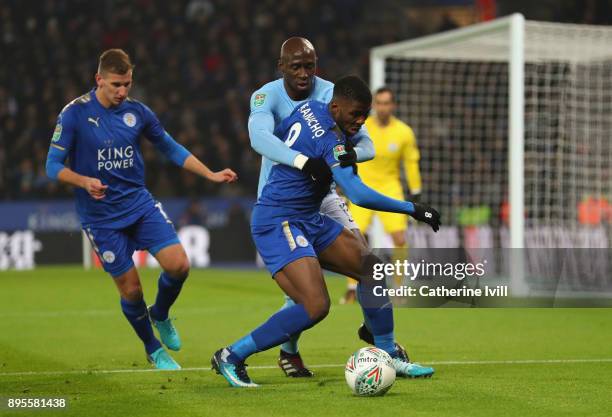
(104, 143)
(273, 98)
(289, 191)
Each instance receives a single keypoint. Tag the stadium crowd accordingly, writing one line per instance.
(197, 62)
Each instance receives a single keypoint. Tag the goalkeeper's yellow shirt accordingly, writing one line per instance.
(394, 144)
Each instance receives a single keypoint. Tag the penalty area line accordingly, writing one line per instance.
(191, 369)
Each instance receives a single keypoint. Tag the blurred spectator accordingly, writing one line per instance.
(197, 61)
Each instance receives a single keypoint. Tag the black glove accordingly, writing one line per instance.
(426, 214)
(318, 170)
(348, 158)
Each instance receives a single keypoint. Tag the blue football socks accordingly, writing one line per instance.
(378, 315)
(386, 342)
(136, 313)
(276, 330)
(291, 345)
(168, 290)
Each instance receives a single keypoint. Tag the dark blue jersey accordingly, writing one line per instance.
(309, 130)
(104, 143)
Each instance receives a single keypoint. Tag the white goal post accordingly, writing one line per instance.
(514, 116)
(513, 119)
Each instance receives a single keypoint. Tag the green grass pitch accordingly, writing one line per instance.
(62, 334)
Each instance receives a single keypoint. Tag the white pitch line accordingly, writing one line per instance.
(92, 313)
(107, 312)
(127, 371)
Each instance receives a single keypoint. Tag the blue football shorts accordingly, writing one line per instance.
(282, 243)
(152, 231)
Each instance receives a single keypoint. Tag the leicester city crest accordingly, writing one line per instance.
(301, 241)
(108, 256)
(129, 119)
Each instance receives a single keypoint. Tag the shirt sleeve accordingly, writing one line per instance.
(155, 133)
(364, 147)
(152, 127)
(328, 94)
(362, 195)
(261, 130)
(61, 142)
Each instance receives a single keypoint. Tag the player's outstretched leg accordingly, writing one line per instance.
(176, 269)
(344, 256)
(135, 310)
(382, 338)
(378, 314)
(303, 281)
(289, 359)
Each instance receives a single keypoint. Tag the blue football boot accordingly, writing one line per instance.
(162, 361)
(167, 332)
(234, 373)
(411, 370)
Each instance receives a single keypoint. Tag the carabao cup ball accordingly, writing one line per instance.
(369, 372)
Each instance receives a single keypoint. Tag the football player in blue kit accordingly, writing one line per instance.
(294, 239)
(99, 133)
(270, 105)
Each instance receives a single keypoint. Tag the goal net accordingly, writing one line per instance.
(513, 121)
(472, 94)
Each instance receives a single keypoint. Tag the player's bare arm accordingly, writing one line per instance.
(193, 164)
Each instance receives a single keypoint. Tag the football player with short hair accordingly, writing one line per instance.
(274, 102)
(295, 239)
(99, 133)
